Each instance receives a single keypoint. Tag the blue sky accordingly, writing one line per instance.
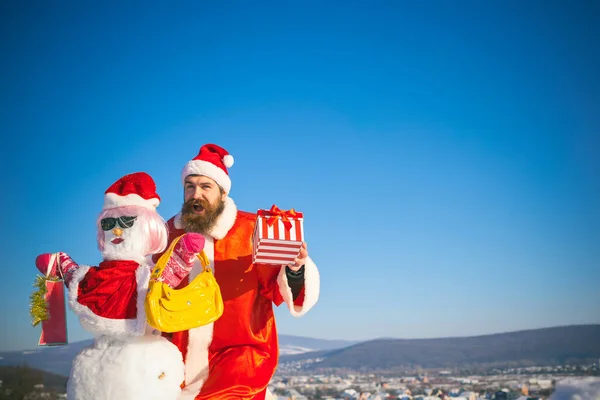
(446, 154)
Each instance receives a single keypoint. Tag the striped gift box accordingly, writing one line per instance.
(278, 236)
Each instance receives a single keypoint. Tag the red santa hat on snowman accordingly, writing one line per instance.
(212, 161)
(135, 195)
(137, 189)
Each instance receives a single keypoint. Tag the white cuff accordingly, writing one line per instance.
(312, 284)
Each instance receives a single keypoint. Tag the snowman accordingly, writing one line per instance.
(128, 359)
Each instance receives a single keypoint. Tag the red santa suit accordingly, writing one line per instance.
(109, 299)
(236, 356)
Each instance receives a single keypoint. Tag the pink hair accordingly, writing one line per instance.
(154, 226)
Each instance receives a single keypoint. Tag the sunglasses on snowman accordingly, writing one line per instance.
(124, 222)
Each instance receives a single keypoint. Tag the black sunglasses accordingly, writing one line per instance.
(124, 222)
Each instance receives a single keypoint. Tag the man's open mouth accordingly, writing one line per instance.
(198, 208)
(117, 240)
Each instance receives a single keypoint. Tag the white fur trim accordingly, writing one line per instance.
(199, 167)
(98, 325)
(312, 286)
(196, 365)
(224, 223)
(199, 339)
(142, 277)
(113, 200)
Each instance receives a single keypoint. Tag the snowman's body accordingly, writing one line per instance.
(128, 359)
(146, 368)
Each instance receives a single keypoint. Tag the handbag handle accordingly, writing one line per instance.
(162, 261)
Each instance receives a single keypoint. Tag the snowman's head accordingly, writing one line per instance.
(130, 233)
(129, 228)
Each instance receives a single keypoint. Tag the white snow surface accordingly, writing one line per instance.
(579, 388)
(288, 349)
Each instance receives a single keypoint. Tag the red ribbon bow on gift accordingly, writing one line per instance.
(276, 213)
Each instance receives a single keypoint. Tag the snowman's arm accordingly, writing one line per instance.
(181, 261)
(67, 267)
(55, 265)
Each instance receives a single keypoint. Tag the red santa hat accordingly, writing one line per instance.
(211, 161)
(137, 189)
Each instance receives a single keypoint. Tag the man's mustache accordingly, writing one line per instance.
(189, 205)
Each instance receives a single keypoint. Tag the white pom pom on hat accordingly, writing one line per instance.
(228, 160)
(211, 161)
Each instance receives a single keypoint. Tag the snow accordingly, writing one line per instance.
(288, 350)
(581, 388)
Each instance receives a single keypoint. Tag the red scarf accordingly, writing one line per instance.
(110, 290)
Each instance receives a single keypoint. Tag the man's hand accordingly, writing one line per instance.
(301, 259)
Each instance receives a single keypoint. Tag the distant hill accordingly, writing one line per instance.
(548, 346)
(54, 359)
(20, 380)
(58, 359)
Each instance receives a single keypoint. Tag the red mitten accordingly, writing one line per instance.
(42, 262)
(188, 246)
(62, 265)
(181, 261)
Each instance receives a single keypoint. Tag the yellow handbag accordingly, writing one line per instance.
(174, 310)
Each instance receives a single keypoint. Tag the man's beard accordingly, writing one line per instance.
(200, 223)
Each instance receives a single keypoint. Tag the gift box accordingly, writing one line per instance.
(278, 236)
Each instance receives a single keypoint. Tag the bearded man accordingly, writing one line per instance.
(236, 356)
